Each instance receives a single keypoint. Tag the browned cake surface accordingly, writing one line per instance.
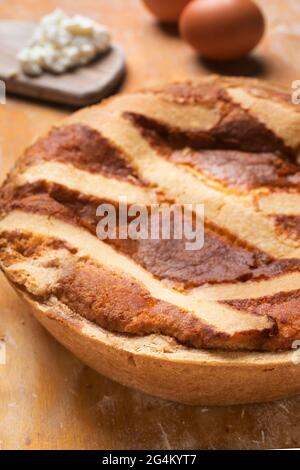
(231, 144)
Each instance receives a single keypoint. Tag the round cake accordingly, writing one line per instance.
(215, 325)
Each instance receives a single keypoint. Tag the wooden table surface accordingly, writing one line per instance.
(48, 399)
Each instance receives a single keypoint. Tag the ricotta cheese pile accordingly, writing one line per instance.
(61, 42)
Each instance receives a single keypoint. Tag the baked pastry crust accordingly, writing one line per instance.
(212, 327)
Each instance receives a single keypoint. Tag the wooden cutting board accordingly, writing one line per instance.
(80, 87)
(49, 399)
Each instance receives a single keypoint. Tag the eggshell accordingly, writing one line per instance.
(166, 10)
(222, 29)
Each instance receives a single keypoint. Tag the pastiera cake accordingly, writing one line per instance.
(217, 325)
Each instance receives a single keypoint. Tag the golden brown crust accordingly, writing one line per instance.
(158, 366)
(85, 287)
(283, 307)
(288, 225)
(236, 129)
(220, 260)
(130, 309)
(84, 148)
(210, 140)
(241, 170)
(181, 143)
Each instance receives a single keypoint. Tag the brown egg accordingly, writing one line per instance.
(166, 10)
(222, 29)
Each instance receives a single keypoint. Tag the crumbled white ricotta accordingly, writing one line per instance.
(61, 42)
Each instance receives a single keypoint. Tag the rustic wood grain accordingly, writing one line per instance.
(49, 400)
